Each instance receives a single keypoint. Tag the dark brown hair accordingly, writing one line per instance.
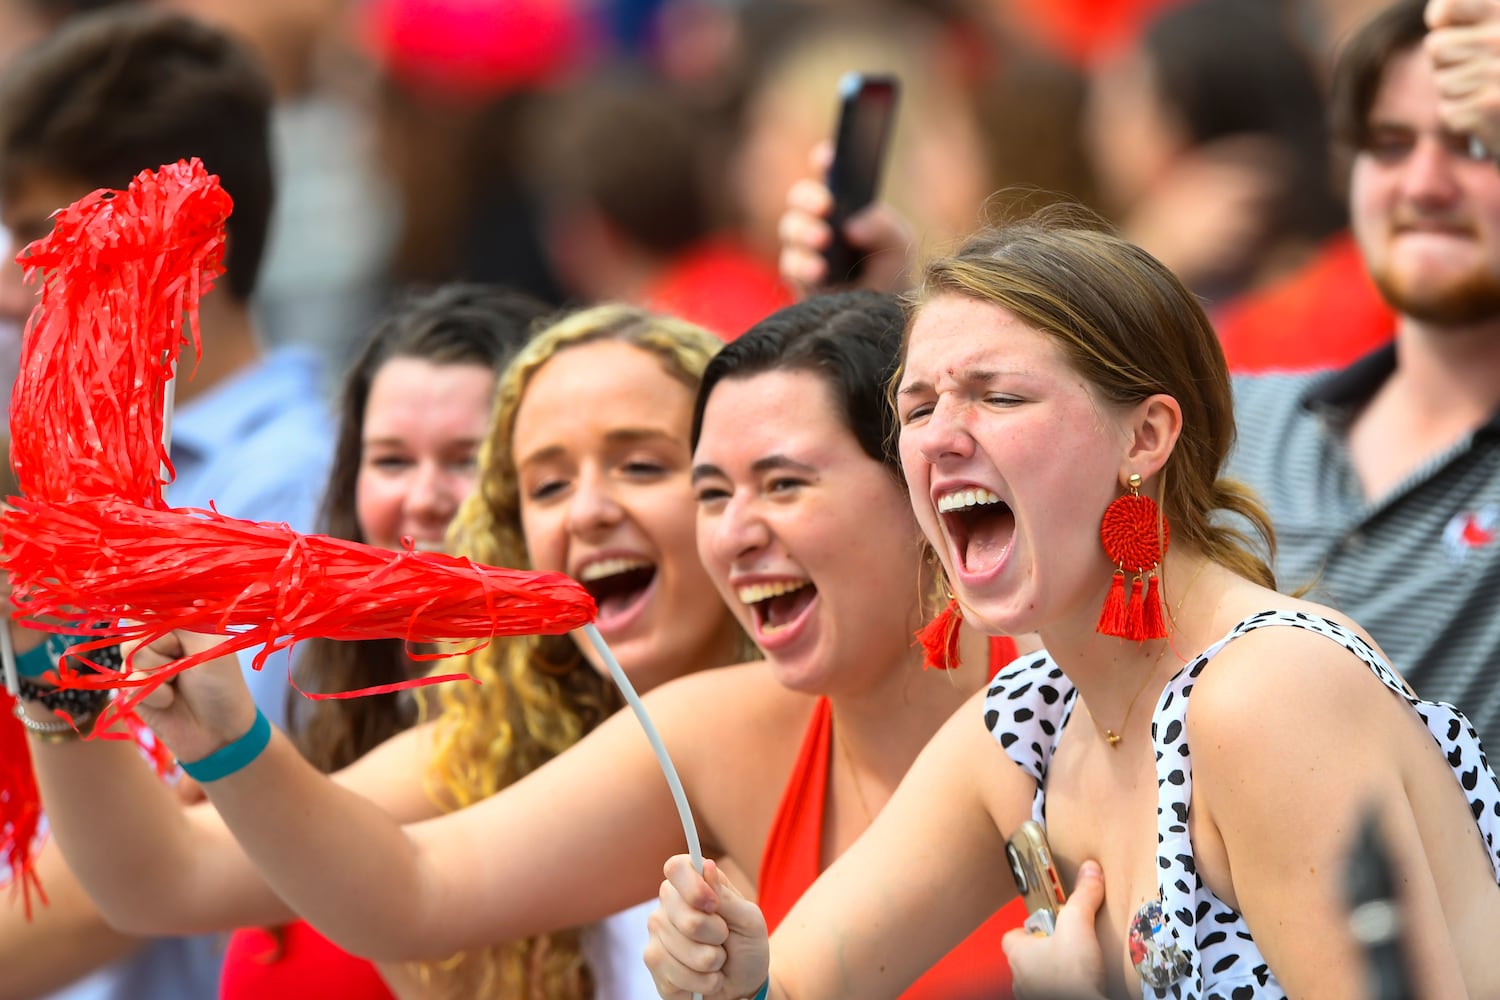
(1361, 69)
(457, 324)
(127, 89)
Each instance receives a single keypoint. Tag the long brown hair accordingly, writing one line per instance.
(1131, 329)
(537, 695)
(457, 324)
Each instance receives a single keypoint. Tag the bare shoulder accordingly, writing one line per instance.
(730, 700)
(1282, 689)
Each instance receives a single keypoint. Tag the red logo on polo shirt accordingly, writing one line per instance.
(1471, 529)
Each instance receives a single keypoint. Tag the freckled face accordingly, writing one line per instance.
(602, 458)
(808, 538)
(1010, 460)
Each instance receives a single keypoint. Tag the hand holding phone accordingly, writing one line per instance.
(1036, 877)
(867, 110)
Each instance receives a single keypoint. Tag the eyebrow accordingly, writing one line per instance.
(969, 376)
(386, 440)
(770, 463)
(612, 439)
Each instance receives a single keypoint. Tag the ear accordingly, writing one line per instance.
(1152, 428)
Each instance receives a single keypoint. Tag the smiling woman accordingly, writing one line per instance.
(785, 762)
(1059, 373)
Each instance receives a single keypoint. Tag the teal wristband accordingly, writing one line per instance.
(228, 759)
(764, 991)
(35, 662)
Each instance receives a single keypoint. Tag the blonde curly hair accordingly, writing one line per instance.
(537, 695)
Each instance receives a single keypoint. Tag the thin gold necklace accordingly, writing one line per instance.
(1110, 736)
(859, 789)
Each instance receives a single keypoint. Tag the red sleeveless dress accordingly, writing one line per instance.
(973, 970)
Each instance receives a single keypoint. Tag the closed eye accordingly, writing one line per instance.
(916, 413)
(547, 490)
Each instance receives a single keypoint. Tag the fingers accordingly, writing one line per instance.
(1446, 13)
(821, 157)
(740, 916)
(804, 234)
(147, 655)
(158, 699)
(686, 951)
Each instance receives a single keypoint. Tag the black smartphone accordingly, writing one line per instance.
(867, 110)
(1036, 876)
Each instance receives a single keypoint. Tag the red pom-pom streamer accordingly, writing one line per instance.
(148, 572)
(939, 638)
(92, 542)
(20, 806)
(122, 270)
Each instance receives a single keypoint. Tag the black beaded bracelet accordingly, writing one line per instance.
(80, 703)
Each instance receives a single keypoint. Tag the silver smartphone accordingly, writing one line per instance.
(1036, 876)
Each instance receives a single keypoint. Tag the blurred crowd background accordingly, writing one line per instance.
(641, 150)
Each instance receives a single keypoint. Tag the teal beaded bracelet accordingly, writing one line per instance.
(764, 991)
(236, 756)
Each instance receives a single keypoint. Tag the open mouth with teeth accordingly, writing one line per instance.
(618, 586)
(980, 526)
(777, 604)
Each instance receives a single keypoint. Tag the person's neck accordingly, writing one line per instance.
(1110, 673)
(1446, 384)
(884, 725)
(229, 346)
(1448, 376)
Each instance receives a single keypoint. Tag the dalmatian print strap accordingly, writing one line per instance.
(1211, 951)
(1224, 961)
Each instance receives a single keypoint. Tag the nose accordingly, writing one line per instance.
(738, 530)
(1429, 175)
(944, 435)
(592, 509)
(432, 498)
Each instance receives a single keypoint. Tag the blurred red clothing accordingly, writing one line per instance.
(1325, 315)
(295, 962)
(1082, 30)
(720, 286)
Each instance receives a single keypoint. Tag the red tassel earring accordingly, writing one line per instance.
(1131, 540)
(939, 638)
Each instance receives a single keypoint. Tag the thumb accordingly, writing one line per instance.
(1448, 13)
(1088, 891)
(739, 913)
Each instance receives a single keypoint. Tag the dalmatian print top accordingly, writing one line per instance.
(1030, 702)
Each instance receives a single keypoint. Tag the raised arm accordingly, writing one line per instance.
(928, 871)
(60, 942)
(575, 841)
(169, 869)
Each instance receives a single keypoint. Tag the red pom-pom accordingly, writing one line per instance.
(939, 638)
